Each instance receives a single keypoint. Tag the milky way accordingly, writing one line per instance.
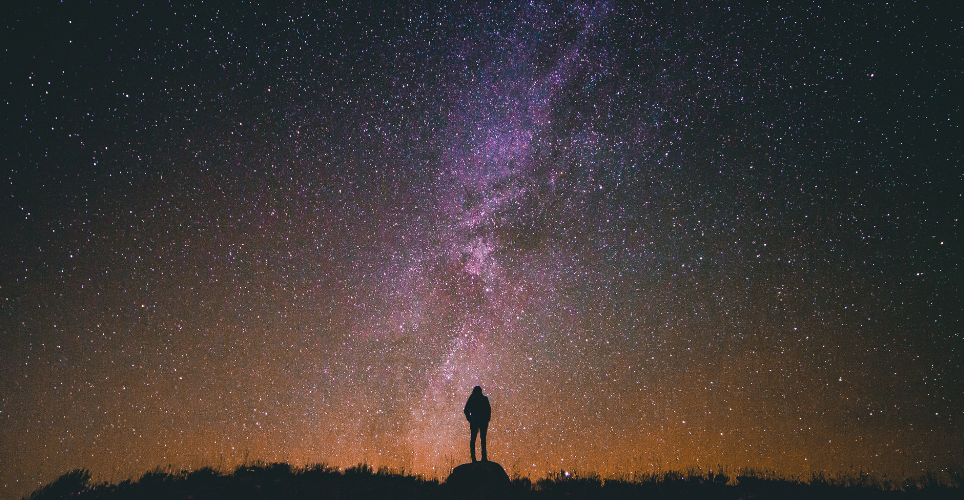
(660, 237)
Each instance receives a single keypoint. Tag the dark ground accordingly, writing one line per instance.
(280, 480)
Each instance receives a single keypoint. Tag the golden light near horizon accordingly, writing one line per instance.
(660, 237)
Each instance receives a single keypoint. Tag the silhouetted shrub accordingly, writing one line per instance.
(360, 469)
(522, 483)
(956, 476)
(719, 477)
(67, 485)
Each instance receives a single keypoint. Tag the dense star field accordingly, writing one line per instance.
(659, 236)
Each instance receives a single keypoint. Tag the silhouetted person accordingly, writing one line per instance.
(478, 412)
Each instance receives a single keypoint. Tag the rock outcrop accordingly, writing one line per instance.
(480, 480)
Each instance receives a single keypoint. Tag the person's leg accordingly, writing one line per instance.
(475, 432)
(483, 430)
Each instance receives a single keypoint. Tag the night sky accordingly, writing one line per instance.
(659, 236)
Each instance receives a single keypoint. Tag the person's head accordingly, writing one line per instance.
(477, 390)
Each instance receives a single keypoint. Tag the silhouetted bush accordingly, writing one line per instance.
(70, 484)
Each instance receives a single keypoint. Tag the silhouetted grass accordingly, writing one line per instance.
(271, 481)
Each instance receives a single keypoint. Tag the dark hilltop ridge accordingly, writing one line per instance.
(480, 480)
